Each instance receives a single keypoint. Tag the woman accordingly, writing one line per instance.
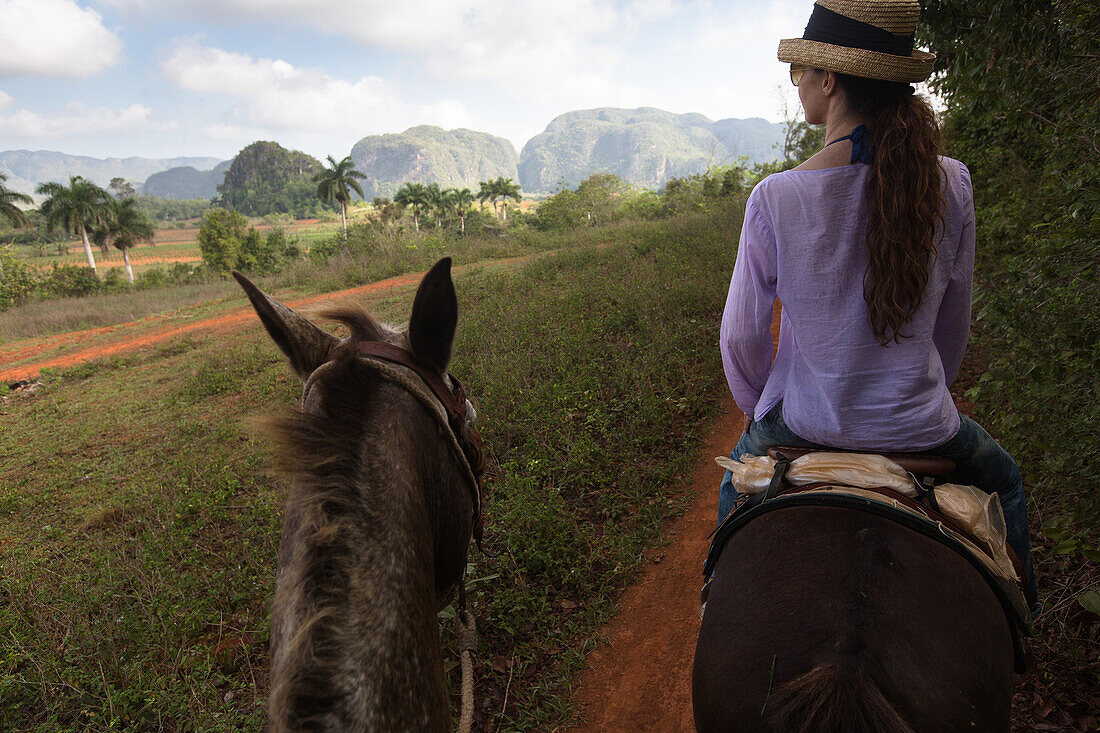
(869, 245)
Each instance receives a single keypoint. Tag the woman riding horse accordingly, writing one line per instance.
(825, 618)
(869, 245)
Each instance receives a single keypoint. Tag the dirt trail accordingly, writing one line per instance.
(131, 342)
(641, 681)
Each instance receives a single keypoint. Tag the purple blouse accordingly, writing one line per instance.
(803, 242)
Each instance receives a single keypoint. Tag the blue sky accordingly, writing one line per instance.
(162, 78)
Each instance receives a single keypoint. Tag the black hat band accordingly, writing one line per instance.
(828, 26)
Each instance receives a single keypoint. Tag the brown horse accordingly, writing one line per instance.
(832, 619)
(379, 514)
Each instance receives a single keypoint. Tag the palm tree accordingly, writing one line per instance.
(434, 200)
(8, 201)
(506, 189)
(413, 195)
(336, 183)
(74, 208)
(125, 225)
(488, 192)
(460, 201)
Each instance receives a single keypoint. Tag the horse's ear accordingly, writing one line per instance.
(305, 345)
(434, 317)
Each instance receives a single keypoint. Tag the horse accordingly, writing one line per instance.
(383, 499)
(827, 618)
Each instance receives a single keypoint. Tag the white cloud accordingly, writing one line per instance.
(76, 119)
(526, 49)
(271, 96)
(55, 38)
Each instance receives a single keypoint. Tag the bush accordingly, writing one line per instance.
(16, 279)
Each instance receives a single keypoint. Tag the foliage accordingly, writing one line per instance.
(220, 237)
(8, 199)
(75, 208)
(16, 279)
(335, 184)
(161, 209)
(121, 188)
(597, 200)
(1020, 79)
(226, 244)
(266, 178)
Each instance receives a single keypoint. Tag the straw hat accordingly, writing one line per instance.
(868, 38)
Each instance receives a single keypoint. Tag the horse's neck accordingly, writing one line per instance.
(355, 639)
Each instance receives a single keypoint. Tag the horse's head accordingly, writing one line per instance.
(381, 400)
(383, 469)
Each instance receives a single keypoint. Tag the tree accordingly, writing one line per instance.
(335, 184)
(121, 188)
(221, 238)
(124, 226)
(414, 196)
(434, 201)
(488, 192)
(506, 189)
(460, 201)
(8, 201)
(74, 208)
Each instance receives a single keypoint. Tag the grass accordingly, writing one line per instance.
(139, 523)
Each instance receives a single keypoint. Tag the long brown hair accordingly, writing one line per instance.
(904, 199)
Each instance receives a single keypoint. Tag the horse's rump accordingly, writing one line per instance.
(823, 611)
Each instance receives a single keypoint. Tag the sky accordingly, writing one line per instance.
(166, 78)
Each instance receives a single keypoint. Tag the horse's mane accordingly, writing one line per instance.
(320, 456)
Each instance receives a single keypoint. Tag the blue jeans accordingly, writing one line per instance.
(979, 461)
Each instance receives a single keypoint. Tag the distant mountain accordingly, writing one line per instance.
(644, 146)
(185, 182)
(266, 178)
(460, 158)
(26, 169)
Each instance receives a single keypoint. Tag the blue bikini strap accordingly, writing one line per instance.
(861, 150)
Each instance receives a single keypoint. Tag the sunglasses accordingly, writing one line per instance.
(797, 71)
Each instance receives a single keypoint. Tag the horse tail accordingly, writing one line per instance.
(830, 698)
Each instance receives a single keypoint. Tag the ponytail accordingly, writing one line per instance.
(904, 199)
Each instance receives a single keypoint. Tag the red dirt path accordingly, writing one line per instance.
(130, 343)
(641, 681)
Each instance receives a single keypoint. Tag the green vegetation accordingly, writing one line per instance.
(8, 199)
(1020, 83)
(335, 184)
(74, 209)
(124, 224)
(266, 178)
(228, 243)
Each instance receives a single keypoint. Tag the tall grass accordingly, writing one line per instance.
(139, 523)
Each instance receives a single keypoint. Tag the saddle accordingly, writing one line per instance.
(921, 514)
